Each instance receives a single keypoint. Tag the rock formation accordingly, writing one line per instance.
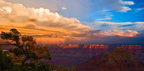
(116, 60)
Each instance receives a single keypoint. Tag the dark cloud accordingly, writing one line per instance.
(139, 39)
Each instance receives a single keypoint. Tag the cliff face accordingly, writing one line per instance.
(119, 55)
(116, 60)
(69, 45)
(96, 49)
(71, 54)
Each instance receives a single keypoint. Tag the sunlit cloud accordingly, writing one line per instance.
(120, 33)
(126, 33)
(63, 8)
(51, 27)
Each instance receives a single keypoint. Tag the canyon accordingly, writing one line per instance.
(71, 54)
(117, 60)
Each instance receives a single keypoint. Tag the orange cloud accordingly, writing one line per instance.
(47, 26)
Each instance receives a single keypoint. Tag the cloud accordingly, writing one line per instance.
(116, 5)
(126, 33)
(125, 9)
(137, 26)
(63, 8)
(78, 8)
(120, 33)
(137, 10)
(127, 2)
(96, 34)
(103, 19)
(137, 40)
(38, 22)
(42, 23)
(19, 13)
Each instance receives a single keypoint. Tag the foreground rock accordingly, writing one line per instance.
(116, 60)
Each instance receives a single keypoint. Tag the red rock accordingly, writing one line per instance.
(116, 60)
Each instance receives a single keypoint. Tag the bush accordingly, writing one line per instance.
(5, 62)
(16, 51)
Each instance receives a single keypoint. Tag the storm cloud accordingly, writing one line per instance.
(51, 27)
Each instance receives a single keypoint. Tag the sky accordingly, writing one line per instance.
(75, 21)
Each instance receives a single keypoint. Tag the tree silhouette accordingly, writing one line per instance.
(26, 46)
